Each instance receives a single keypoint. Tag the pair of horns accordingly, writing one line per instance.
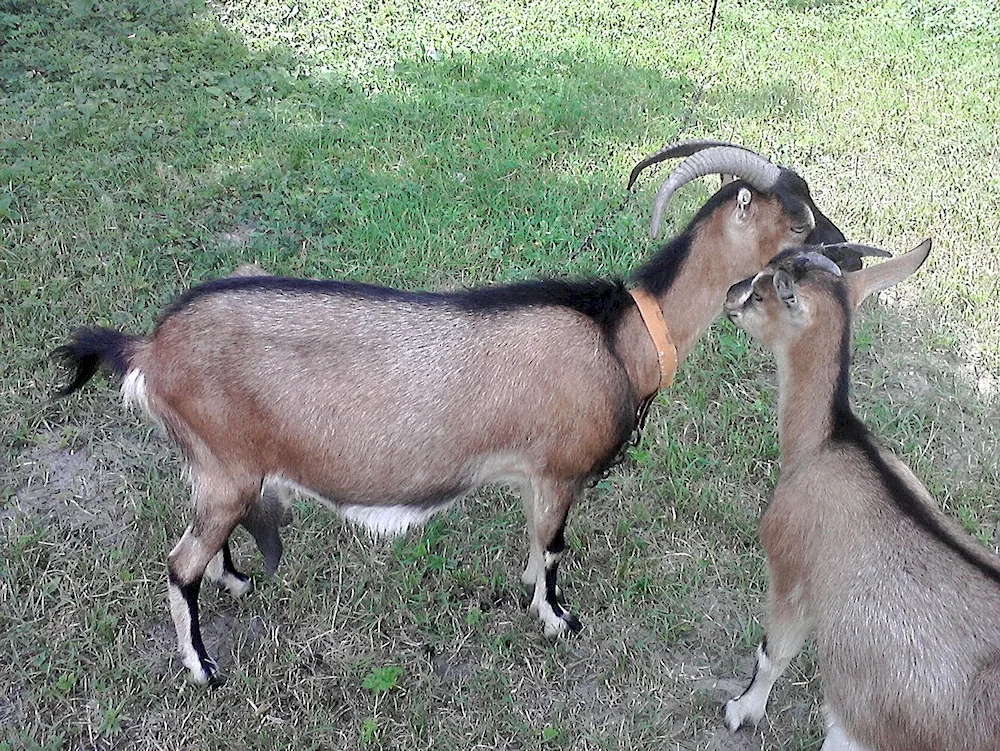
(846, 257)
(835, 257)
(705, 158)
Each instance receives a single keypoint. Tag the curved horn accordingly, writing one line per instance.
(745, 164)
(820, 261)
(674, 151)
(861, 250)
(848, 255)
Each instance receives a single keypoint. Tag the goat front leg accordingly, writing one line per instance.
(535, 554)
(786, 631)
(217, 512)
(547, 503)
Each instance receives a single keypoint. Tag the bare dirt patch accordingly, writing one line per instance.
(71, 488)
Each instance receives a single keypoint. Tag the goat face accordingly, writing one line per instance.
(776, 310)
(801, 288)
(755, 171)
(768, 223)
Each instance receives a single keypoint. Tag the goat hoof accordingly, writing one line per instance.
(205, 674)
(217, 680)
(737, 715)
(572, 622)
(240, 587)
(564, 623)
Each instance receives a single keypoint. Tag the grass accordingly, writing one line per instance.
(147, 145)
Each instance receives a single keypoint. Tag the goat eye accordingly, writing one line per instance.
(758, 297)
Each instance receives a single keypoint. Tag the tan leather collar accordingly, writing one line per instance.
(652, 316)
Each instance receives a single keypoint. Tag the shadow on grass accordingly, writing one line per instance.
(159, 136)
(146, 148)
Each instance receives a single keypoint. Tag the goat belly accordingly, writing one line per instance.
(390, 521)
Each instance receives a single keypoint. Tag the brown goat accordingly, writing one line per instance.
(391, 405)
(905, 605)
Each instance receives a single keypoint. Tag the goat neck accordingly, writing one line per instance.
(694, 300)
(690, 275)
(812, 389)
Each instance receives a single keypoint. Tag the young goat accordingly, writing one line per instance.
(391, 405)
(905, 605)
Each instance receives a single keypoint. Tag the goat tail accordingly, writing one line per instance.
(91, 347)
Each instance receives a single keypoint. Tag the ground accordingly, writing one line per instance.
(434, 144)
(671, 612)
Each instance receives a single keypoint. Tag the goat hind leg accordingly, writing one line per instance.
(222, 571)
(216, 514)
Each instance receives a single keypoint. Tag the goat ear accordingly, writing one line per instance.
(784, 286)
(882, 276)
(743, 199)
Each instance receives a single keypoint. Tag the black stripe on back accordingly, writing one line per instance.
(602, 300)
(849, 430)
(854, 432)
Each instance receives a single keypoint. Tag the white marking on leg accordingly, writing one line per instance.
(788, 625)
(184, 566)
(236, 587)
(551, 559)
(537, 594)
(534, 568)
(215, 569)
(752, 704)
(553, 624)
(181, 614)
(216, 572)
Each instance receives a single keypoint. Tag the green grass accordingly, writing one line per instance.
(147, 145)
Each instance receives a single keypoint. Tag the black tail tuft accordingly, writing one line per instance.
(88, 349)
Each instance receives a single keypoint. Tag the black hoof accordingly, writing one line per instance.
(572, 622)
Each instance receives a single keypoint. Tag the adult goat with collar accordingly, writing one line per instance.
(391, 405)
